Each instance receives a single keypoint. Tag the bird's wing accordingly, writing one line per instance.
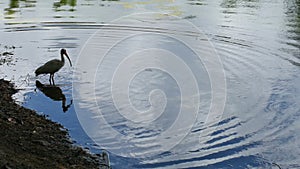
(51, 66)
(53, 63)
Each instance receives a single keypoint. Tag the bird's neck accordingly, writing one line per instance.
(62, 58)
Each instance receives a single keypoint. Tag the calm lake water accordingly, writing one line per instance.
(257, 42)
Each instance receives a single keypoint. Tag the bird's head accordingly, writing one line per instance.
(64, 52)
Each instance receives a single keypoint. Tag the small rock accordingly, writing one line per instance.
(12, 120)
(7, 53)
(6, 167)
(41, 142)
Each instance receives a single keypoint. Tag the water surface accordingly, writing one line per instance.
(258, 44)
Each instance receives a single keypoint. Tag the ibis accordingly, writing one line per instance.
(53, 66)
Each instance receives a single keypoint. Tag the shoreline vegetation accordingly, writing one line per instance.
(29, 140)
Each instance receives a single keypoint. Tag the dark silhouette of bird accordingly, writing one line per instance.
(54, 93)
(53, 66)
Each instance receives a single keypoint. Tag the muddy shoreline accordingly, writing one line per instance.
(29, 140)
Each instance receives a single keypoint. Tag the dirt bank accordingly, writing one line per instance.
(29, 140)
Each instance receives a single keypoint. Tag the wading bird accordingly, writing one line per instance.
(53, 66)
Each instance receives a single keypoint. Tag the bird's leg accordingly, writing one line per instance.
(53, 79)
(50, 79)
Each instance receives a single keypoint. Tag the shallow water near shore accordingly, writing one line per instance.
(258, 48)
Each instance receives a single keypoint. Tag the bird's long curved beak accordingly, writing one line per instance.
(68, 59)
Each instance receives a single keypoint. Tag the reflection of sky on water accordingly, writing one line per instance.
(259, 49)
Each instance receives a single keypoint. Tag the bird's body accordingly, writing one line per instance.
(53, 66)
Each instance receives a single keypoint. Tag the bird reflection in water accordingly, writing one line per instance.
(55, 93)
